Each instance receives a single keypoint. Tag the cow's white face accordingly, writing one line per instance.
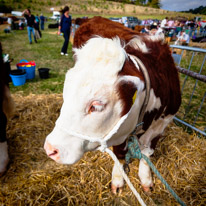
(91, 106)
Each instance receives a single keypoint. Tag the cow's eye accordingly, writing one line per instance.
(96, 106)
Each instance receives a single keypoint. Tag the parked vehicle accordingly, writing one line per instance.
(116, 19)
(131, 21)
(56, 16)
(16, 13)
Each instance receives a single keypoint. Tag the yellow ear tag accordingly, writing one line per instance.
(134, 97)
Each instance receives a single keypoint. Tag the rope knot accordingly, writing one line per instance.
(103, 146)
(133, 149)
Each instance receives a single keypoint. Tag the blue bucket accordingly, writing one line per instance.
(29, 67)
(18, 77)
(30, 72)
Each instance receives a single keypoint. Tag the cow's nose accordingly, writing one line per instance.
(51, 151)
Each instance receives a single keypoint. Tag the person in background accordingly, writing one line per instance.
(21, 24)
(191, 26)
(42, 20)
(182, 38)
(171, 22)
(36, 27)
(145, 30)
(30, 18)
(65, 28)
(178, 27)
(164, 23)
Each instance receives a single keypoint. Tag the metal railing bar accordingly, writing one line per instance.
(194, 49)
(188, 106)
(190, 126)
(188, 70)
(192, 74)
(203, 99)
(191, 96)
(203, 62)
(181, 57)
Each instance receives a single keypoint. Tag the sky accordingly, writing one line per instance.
(181, 5)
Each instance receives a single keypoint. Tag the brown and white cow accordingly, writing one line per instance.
(106, 84)
(6, 109)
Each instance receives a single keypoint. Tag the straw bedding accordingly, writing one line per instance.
(34, 179)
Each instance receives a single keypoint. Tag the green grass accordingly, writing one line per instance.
(46, 54)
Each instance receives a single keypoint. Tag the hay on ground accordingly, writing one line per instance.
(34, 179)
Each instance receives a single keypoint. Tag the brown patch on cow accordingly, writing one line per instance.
(80, 21)
(8, 103)
(102, 27)
(120, 150)
(163, 75)
(125, 89)
(155, 141)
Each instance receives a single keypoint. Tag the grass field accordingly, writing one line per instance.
(46, 54)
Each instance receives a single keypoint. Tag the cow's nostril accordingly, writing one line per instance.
(54, 153)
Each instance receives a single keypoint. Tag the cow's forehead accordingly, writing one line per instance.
(96, 69)
(80, 84)
(101, 57)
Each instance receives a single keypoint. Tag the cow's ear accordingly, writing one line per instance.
(128, 89)
(132, 80)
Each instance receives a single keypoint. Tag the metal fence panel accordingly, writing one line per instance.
(192, 67)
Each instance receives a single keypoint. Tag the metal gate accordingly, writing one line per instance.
(192, 67)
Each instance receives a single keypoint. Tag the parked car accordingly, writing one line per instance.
(116, 19)
(131, 21)
(56, 16)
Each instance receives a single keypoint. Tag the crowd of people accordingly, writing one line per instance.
(174, 29)
(179, 31)
(34, 23)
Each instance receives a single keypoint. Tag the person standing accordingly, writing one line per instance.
(191, 25)
(164, 23)
(30, 18)
(36, 27)
(42, 20)
(65, 28)
(182, 38)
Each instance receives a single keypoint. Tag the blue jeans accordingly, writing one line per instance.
(30, 30)
(191, 31)
(42, 25)
(66, 41)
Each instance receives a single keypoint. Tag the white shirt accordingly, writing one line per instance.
(184, 37)
(163, 23)
(9, 20)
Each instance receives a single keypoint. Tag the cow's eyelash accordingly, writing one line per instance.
(96, 106)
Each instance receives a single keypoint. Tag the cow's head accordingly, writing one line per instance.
(96, 99)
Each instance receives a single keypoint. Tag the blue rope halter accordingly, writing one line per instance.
(135, 152)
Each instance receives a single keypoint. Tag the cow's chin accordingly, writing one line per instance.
(68, 159)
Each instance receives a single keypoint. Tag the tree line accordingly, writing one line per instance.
(199, 10)
(149, 3)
